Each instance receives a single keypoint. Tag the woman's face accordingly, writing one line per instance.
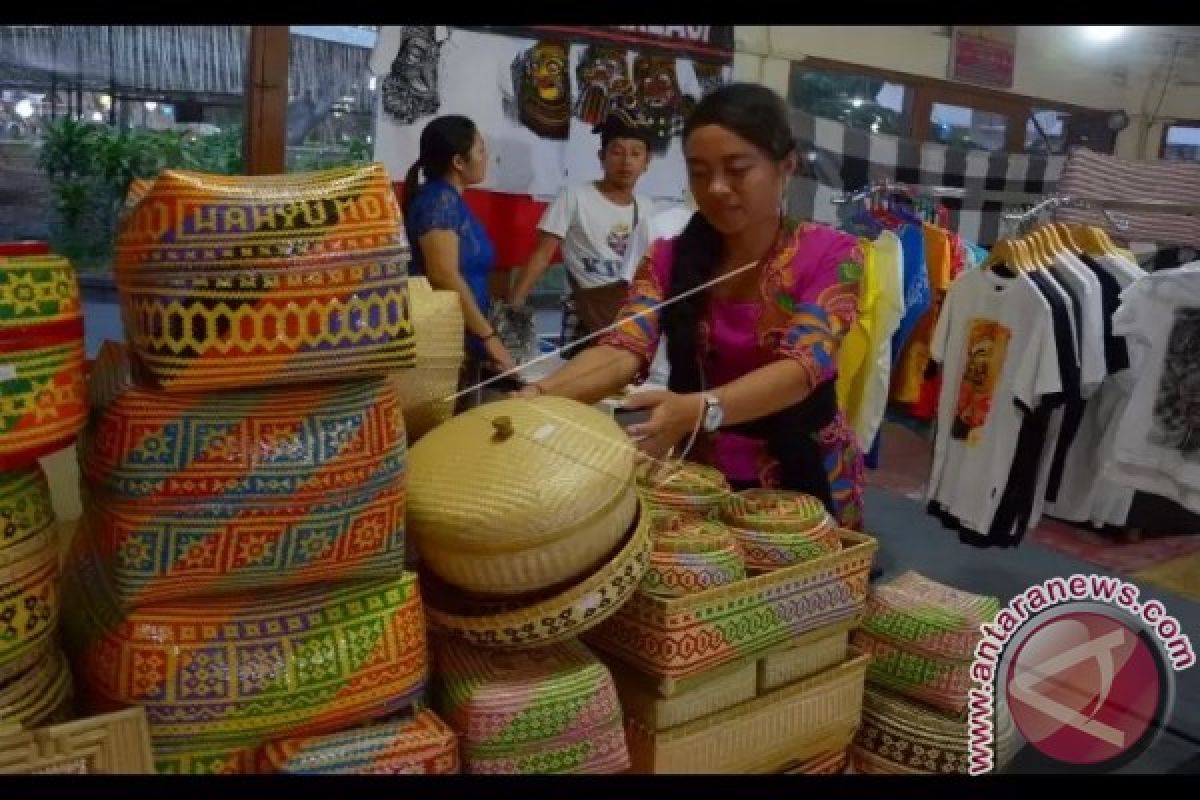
(734, 183)
(474, 166)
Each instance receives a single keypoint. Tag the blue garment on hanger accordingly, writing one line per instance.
(917, 293)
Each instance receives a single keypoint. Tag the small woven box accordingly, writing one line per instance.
(418, 745)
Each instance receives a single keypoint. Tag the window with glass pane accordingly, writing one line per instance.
(858, 101)
(969, 128)
(1182, 143)
(1046, 132)
(331, 95)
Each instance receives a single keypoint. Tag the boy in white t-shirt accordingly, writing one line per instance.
(593, 223)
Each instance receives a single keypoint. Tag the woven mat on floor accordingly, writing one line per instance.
(1109, 552)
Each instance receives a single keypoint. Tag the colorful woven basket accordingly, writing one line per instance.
(692, 556)
(159, 555)
(552, 710)
(41, 695)
(235, 757)
(796, 723)
(228, 282)
(822, 649)
(520, 495)
(38, 291)
(417, 745)
(26, 510)
(939, 682)
(43, 401)
(288, 445)
(777, 529)
(563, 615)
(724, 688)
(924, 616)
(108, 744)
(249, 667)
(29, 596)
(679, 638)
(688, 488)
(427, 390)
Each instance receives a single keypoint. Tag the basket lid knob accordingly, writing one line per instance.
(503, 428)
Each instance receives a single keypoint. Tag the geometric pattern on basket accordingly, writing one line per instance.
(774, 510)
(43, 399)
(290, 444)
(29, 597)
(416, 745)
(670, 578)
(925, 616)
(38, 290)
(937, 682)
(910, 736)
(682, 637)
(783, 550)
(248, 667)
(233, 758)
(166, 554)
(688, 488)
(604, 752)
(25, 506)
(231, 281)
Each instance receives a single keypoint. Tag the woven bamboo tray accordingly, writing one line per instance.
(160, 555)
(924, 616)
(792, 724)
(25, 507)
(418, 745)
(939, 682)
(37, 291)
(563, 615)
(108, 744)
(427, 390)
(679, 638)
(520, 495)
(229, 282)
(795, 663)
(297, 445)
(247, 667)
(29, 595)
(728, 687)
(41, 695)
(43, 399)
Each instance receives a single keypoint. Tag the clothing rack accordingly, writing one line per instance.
(881, 187)
(1105, 206)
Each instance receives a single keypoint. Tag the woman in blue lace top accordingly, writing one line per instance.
(450, 246)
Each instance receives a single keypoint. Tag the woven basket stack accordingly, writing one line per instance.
(530, 532)
(239, 572)
(729, 659)
(427, 390)
(922, 637)
(42, 408)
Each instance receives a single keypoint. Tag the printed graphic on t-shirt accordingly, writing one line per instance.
(987, 346)
(1177, 406)
(618, 238)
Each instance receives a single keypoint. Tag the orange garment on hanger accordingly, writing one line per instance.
(910, 374)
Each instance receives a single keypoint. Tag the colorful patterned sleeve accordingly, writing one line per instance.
(818, 290)
(640, 320)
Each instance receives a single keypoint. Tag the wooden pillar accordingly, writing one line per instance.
(266, 100)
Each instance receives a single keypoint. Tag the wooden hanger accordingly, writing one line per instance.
(1002, 252)
(1086, 236)
(1068, 240)
(1037, 250)
(1057, 246)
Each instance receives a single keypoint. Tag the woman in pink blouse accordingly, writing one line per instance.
(754, 307)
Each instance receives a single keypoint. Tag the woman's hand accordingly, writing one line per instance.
(673, 418)
(498, 355)
(527, 393)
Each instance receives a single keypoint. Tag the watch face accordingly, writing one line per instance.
(713, 414)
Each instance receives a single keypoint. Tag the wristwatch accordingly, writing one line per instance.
(714, 413)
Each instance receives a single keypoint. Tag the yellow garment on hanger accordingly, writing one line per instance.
(865, 395)
(910, 373)
(852, 355)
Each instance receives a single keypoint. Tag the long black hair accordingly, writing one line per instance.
(442, 140)
(760, 116)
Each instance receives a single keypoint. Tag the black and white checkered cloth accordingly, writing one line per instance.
(837, 159)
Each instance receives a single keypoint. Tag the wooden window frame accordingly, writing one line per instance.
(1175, 123)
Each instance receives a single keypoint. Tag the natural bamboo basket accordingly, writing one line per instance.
(778, 528)
(691, 556)
(427, 390)
(691, 489)
(833, 762)
(564, 615)
(229, 282)
(726, 688)
(26, 510)
(108, 744)
(939, 682)
(29, 595)
(679, 638)
(41, 695)
(792, 724)
(419, 745)
(923, 616)
(788, 666)
(520, 495)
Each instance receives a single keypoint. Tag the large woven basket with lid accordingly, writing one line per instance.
(520, 495)
(427, 390)
(254, 281)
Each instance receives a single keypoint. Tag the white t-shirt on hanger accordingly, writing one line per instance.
(1087, 288)
(995, 341)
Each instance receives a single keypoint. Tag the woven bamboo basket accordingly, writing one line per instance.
(691, 556)
(29, 595)
(562, 615)
(924, 616)
(939, 682)
(42, 695)
(108, 744)
(38, 291)
(833, 762)
(427, 390)
(234, 757)
(520, 495)
(247, 667)
(725, 688)
(419, 745)
(691, 489)
(161, 555)
(292, 445)
(552, 710)
(679, 638)
(795, 663)
(776, 529)
(43, 399)
(26, 510)
(791, 724)
(230, 282)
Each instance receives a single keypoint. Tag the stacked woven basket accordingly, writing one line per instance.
(922, 637)
(733, 655)
(548, 541)
(42, 408)
(239, 572)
